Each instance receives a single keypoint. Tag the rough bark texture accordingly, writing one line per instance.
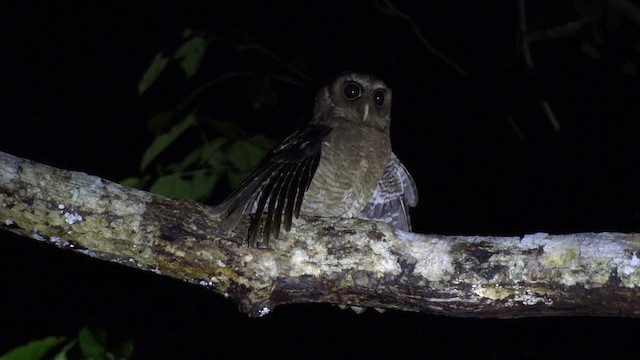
(323, 260)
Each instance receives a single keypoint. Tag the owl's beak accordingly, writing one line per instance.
(365, 115)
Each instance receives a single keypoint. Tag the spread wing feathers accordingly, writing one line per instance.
(396, 191)
(274, 192)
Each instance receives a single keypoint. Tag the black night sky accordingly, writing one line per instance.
(481, 149)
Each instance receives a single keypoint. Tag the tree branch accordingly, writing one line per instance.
(323, 260)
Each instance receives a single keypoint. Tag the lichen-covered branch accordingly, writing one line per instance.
(323, 260)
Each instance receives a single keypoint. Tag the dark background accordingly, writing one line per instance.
(68, 98)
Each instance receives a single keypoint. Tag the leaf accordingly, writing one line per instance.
(209, 154)
(244, 155)
(36, 349)
(588, 49)
(62, 354)
(235, 178)
(153, 71)
(191, 53)
(630, 68)
(161, 142)
(126, 350)
(160, 122)
(212, 154)
(91, 347)
(262, 141)
(196, 185)
(227, 129)
(189, 160)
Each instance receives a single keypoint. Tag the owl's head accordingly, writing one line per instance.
(355, 97)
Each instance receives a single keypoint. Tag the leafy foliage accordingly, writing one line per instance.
(214, 147)
(604, 33)
(36, 349)
(87, 345)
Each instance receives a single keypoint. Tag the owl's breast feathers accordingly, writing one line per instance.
(353, 159)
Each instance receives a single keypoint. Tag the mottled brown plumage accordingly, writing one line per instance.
(340, 165)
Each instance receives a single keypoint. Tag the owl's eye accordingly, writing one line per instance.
(352, 91)
(378, 98)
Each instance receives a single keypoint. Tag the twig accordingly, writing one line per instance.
(386, 7)
(526, 52)
(628, 9)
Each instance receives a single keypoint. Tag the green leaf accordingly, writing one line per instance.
(244, 155)
(160, 122)
(266, 143)
(91, 347)
(588, 49)
(126, 350)
(132, 182)
(235, 178)
(191, 53)
(212, 153)
(209, 154)
(161, 142)
(630, 68)
(36, 349)
(227, 129)
(196, 185)
(62, 354)
(153, 71)
(189, 160)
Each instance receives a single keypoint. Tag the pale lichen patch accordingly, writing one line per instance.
(97, 184)
(264, 311)
(529, 298)
(56, 240)
(561, 253)
(580, 260)
(72, 218)
(433, 259)
(629, 271)
(301, 264)
(87, 252)
(8, 222)
(517, 271)
(532, 241)
(387, 262)
(268, 266)
(179, 253)
(493, 292)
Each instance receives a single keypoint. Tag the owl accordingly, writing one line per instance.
(340, 165)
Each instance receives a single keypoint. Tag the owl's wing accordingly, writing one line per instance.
(276, 189)
(396, 191)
